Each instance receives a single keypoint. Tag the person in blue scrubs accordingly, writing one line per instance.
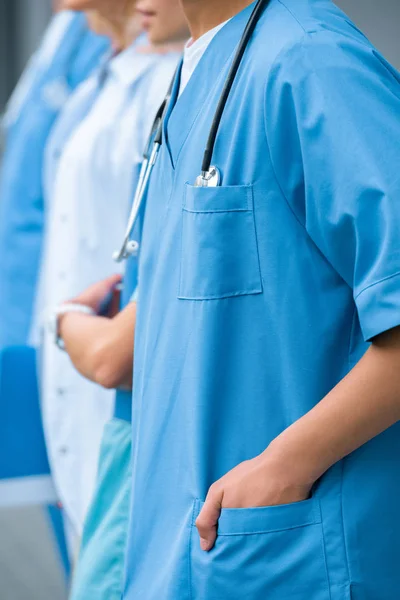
(266, 435)
(68, 55)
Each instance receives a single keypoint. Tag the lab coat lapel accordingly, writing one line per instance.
(208, 76)
(76, 112)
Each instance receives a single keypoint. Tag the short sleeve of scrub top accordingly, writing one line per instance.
(332, 118)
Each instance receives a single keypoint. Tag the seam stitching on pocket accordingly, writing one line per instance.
(316, 511)
(226, 296)
(343, 530)
(251, 201)
(184, 196)
(216, 211)
(323, 549)
(266, 531)
(190, 549)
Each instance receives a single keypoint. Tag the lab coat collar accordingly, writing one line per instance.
(130, 65)
(183, 110)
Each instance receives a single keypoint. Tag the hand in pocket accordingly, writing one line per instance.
(261, 482)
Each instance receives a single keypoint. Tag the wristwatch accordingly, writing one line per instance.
(63, 309)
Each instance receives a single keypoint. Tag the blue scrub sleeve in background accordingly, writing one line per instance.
(22, 208)
(340, 172)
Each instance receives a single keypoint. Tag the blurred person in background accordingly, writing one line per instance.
(92, 164)
(93, 344)
(68, 54)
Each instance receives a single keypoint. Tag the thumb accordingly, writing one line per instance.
(207, 521)
(112, 281)
(107, 285)
(109, 295)
(95, 295)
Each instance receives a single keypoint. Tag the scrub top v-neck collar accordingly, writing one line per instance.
(182, 107)
(193, 53)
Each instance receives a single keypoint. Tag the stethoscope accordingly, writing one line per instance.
(130, 247)
(210, 175)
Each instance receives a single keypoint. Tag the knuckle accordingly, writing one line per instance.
(200, 524)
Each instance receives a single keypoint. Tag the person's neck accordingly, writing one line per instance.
(120, 37)
(121, 33)
(204, 15)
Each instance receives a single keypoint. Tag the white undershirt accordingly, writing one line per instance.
(194, 52)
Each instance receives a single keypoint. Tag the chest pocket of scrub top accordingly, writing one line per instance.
(219, 257)
(273, 553)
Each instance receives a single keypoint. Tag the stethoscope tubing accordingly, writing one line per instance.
(123, 253)
(230, 80)
(130, 247)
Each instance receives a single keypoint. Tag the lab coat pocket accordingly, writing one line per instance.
(274, 553)
(219, 256)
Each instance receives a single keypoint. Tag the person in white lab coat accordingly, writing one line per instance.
(92, 162)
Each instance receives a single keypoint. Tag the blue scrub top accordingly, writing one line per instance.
(21, 191)
(123, 398)
(255, 299)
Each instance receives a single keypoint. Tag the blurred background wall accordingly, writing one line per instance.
(21, 25)
(380, 20)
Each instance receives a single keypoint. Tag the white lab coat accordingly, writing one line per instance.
(90, 182)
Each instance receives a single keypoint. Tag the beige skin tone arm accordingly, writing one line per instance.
(101, 348)
(360, 407)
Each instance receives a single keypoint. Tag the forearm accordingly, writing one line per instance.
(360, 407)
(82, 335)
(101, 349)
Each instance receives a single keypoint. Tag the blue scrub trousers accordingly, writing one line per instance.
(99, 572)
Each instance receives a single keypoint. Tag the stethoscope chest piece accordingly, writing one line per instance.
(210, 178)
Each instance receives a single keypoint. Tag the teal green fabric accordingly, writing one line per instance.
(99, 572)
